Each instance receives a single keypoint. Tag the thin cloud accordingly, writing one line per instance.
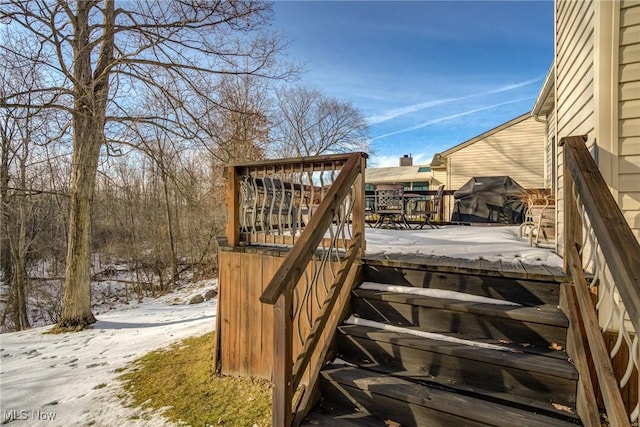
(392, 114)
(454, 116)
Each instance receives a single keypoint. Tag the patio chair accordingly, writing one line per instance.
(427, 208)
(389, 205)
(539, 218)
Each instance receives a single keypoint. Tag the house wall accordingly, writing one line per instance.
(574, 88)
(439, 177)
(516, 151)
(629, 114)
(597, 49)
(575, 68)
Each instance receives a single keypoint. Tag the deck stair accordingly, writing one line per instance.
(438, 346)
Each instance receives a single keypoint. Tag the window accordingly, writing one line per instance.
(421, 186)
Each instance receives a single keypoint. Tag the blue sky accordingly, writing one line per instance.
(427, 75)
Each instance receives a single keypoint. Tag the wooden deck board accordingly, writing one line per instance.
(514, 270)
(537, 272)
(543, 314)
(519, 360)
(385, 395)
(558, 274)
(468, 265)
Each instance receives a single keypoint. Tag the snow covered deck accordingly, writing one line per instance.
(495, 250)
(489, 243)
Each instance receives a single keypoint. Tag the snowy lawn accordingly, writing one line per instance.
(71, 379)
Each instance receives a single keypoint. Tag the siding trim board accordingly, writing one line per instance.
(606, 60)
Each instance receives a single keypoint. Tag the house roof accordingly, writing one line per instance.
(438, 158)
(417, 173)
(546, 98)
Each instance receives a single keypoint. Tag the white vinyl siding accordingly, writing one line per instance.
(574, 52)
(574, 59)
(516, 151)
(629, 115)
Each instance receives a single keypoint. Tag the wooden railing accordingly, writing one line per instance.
(317, 206)
(273, 201)
(598, 240)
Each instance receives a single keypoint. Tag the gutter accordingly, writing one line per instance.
(547, 86)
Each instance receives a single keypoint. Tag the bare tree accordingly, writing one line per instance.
(240, 130)
(100, 58)
(25, 133)
(309, 124)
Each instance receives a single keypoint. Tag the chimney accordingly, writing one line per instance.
(406, 160)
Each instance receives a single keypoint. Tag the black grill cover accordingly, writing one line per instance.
(489, 199)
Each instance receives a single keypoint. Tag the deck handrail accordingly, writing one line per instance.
(597, 237)
(287, 374)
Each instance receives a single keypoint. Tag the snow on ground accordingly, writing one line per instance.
(491, 243)
(73, 376)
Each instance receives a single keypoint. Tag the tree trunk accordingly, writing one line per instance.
(76, 304)
(91, 90)
(171, 282)
(5, 249)
(20, 318)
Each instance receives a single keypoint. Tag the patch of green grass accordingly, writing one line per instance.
(181, 383)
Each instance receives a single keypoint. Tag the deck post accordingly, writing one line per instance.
(358, 213)
(572, 218)
(232, 200)
(283, 360)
